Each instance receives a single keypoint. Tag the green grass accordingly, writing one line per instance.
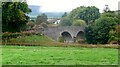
(31, 39)
(55, 55)
(58, 55)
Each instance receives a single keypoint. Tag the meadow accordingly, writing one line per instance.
(39, 55)
(42, 50)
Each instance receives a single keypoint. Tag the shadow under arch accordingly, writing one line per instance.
(80, 35)
(66, 36)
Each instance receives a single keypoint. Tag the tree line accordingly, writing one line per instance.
(100, 28)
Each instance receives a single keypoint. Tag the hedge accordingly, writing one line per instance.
(7, 36)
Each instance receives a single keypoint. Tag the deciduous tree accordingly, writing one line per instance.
(14, 16)
(114, 34)
(79, 23)
(88, 14)
(42, 19)
(65, 21)
(65, 14)
(98, 33)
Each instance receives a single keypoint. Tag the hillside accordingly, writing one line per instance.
(54, 14)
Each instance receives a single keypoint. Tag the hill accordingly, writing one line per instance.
(54, 14)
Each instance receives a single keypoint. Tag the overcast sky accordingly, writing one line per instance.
(68, 5)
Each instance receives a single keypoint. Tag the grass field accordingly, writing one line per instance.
(32, 39)
(58, 55)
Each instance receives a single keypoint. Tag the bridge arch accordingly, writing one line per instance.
(80, 35)
(69, 33)
(67, 37)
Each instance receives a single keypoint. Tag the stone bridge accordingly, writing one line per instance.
(69, 33)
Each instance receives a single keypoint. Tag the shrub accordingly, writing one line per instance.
(81, 41)
(30, 25)
(79, 23)
(61, 39)
(7, 36)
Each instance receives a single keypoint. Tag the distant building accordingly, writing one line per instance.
(53, 20)
(57, 22)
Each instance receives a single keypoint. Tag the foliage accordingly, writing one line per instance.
(74, 14)
(90, 34)
(98, 33)
(0, 4)
(65, 21)
(61, 39)
(88, 14)
(0, 18)
(115, 34)
(113, 15)
(7, 36)
(65, 14)
(30, 25)
(79, 23)
(41, 19)
(14, 16)
(110, 14)
(44, 25)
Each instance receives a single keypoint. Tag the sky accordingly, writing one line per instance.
(69, 5)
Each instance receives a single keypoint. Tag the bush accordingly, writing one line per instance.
(98, 32)
(79, 23)
(7, 36)
(61, 39)
(30, 25)
(114, 34)
(65, 21)
(113, 42)
(81, 41)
